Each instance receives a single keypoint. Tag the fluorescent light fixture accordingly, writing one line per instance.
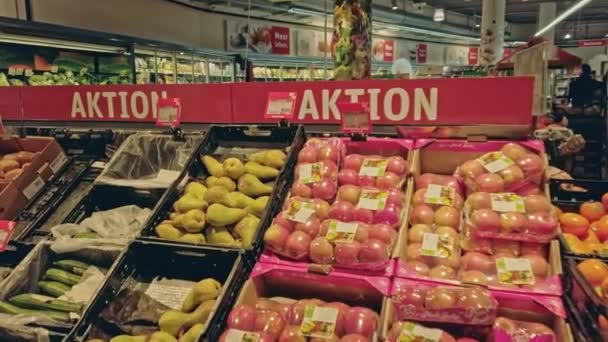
(58, 44)
(563, 16)
(477, 25)
(304, 11)
(394, 6)
(439, 14)
(567, 36)
(425, 31)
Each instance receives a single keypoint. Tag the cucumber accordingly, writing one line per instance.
(61, 276)
(40, 302)
(71, 265)
(53, 288)
(15, 310)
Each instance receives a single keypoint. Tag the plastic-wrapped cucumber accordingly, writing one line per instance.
(15, 310)
(53, 288)
(71, 265)
(40, 302)
(61, 276)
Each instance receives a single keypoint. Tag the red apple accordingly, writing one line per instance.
(473, 277)
(416, 232)
(354, 338)
(422, 214)
(297, 309)
(442, 272)
(390, 215)
(311, 227)
(270, 322)
(362, 215)
(242, 317)
(412, 296)
(325, 189)
(542, 223)
(321, 251)
(349, 193)
(362, 233)
(471, 169)
(489, 182)
(419, 267)
(536, 203)
(530, 163)
(440, 298)
(513, 222)
(388, 181)
(479, 262)
(276, 237)
(342, 311)
(383, 232)
(300, 189)
(328, 152)
(341, 211)
(395, 197)
(307, 155)
(348, 176)
(237, 335)
(486, 220)
(447, 216)
(297, 245)
(479, 200)
(362, 321)
(366, 180)
(321, 208)
(418, 198)
(353, 162)
(282, 221)
(347, 253)
(512, 175)
(292, 333)
(513, 151)
(506, 247)
(397, 165)
(330, 170)
(373, 251)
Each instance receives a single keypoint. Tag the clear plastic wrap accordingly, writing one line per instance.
(506, 170)
(368, 205)
(149, 161)
(384, 172)
(316, 173)
(509, 216)
(410, 331)
(509, 330)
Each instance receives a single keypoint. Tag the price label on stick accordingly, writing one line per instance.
(355, 117)
(6, 229)
(169, 111)
(280, 105)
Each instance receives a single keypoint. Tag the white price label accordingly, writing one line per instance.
(300, 211)
(31, 190)
(341, 231)
(412, 332)
(372, 199)
(170, 292)
(516, 271)
(319, 321)
(439, 194)
(29, 72)
(280, 106)
(310, 173)
(438, 246)
(495, 161)
(373, 167)
(235, 335)
(507, 202)
(58, 162)
(167, 114)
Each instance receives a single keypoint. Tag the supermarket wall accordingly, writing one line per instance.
(12, 9)
(594, 56)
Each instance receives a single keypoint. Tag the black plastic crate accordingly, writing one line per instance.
(143, 261)
(571, 200)
(224, 137)
(579, 322)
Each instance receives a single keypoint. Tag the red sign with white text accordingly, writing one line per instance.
(473, 55)
(465, 101)
(389, 50)
(421, 53)
(168, 111)
(280, 40)
(593, 43)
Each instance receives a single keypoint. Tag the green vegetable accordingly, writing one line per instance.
(40, 302)
(71, 265)
(53, 288)
(61, 276)
(15, 310)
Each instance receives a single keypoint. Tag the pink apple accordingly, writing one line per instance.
(307, 155)
(300, 189)
(383, 232)
(270, 322)
(321, 251)
(354, 338)
(328, 152)
(423, 214)
(413, 296)
(297, 245)
(325, 189)
(489, 182)
(347, 253)
(362, 321)
(321, 208)
(242, 317)
(362, 233)
(373, 251)
(330, 169)
(397, 165)
(349, 193)
(292, 333)
(342, 311)
(341, 211)
(363, 215)
(297, 310)
(395, 197)
(276, 237)
(389, 215)
(282, 221)
(348, 176)
(353, 162)
(366, 181)
(447, 216)
(310, 227)
(388, 181)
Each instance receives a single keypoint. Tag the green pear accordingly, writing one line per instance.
(193, 333)
(215, 194)
(261, 171)
(219, 215)
(258, 206)
(168, 232)
(196, 239)
(129, 338)
(213, 166)
(237, 199)
(233, 167)
(188, 202)
(204, 290)
(273, 158)
(201, 313)
(173, 321)
(246, 229)
(161, 336)
(250, 185)
(193, 221)
(197, 189)
(219, 236)
(226, 182)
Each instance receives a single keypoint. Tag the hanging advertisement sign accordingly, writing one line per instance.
(593, 43)
(257, 37)
(383, 50)
(473, 55)
(312, 43)
(421, 53)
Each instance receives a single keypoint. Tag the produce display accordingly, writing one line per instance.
(586, 232)
(12, 164)
(225, 208)
(315, 175)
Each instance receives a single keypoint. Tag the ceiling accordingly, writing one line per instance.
(590, 22)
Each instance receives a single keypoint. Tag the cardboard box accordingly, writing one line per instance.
(48, 161)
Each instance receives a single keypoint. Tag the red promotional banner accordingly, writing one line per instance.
(593, 43)
(421, 53)
(467, 101)
(473, 55)
(280, 40)
(389, 50)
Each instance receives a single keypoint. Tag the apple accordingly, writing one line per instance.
(543, 223)
(475, 298)
(486, 220)
(236, 335)
(390, 215)
(533, 248)
(373, 251)
(536, 203)
(362, 233)
(297, 245)
(447, 216)
(513, 151)
(423, 181)
(388, 181)
(540, 266)
(353, 162)
(512, 175)
(297, 309)
(341, 211)
(453, 261)
(276, 237)
(419, 267)
(362, 215)
(418, 198)
(342, 312)
(349, 193)
(292, 333)
(333, 338)
(347, 253)
(395, 197)
(348, 176)
(513, 222)
(284, 222)
(473, 277)
(479, 262)
(270, 322)
(412, 296)
(307, 155)
(422, 214)
(311, 227)
(383, 232)
(397, 165)
(325, 189)
(366, 180)
(448, 231)
(489, 182)
(361, 320)
(354, 338)
(440, 298)
(530, 163)
(442, 272)
(284, 310)
(321, 208)
(242, 317)
(300, 189)
(330, 170)
(416, 232)
(412, 252)
(328, 152)
(321, 251)
(479, 200)
(506, 247)
(471, 169)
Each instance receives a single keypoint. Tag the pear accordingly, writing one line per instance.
(233, 168)
(216, 194)
(273, 158)
(246, 229)
(197, 189)
(204, 290)
(168, 231)
(258, 206)
(219, 215)
(129, 338)
(188, 202)
(213, 166)
(261, 171)
(226, 182)
(161, 336)
(250, 185)
(201, 313)
(173, 321)
(219, 236)
(237, 199)
(193, 333)
(193, 221)
(196, 239)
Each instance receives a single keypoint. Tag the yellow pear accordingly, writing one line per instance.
(192, 221)
(258, 206)
(250, 185)
(219, 215)
(196, 239)
(193, 333)
(129, 338)
(233, 168)
(201, 313)
(219, 236)
(226, 182)
(215, 194)
(261, 171)
(173, 321)
(161, 336)
(206, 289)
(213, 166)
(237, 199)
(197, 189)
(246, 230)
(272, 158)
(167, 231)
(188, 202)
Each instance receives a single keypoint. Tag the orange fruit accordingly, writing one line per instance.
(592, 211)
(594, 270)
(591, 238)
(600, 227)
(605, 200)
(574, 224)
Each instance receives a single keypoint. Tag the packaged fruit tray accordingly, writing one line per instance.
(230, 191)
(289, 304)
(163, 288)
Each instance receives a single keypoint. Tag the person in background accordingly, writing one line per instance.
(585, 93)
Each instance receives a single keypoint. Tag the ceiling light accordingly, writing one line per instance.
(563, 16)
(477, 25)
(439, 14)
(394, 5)
(304, 11)
(567, 36)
